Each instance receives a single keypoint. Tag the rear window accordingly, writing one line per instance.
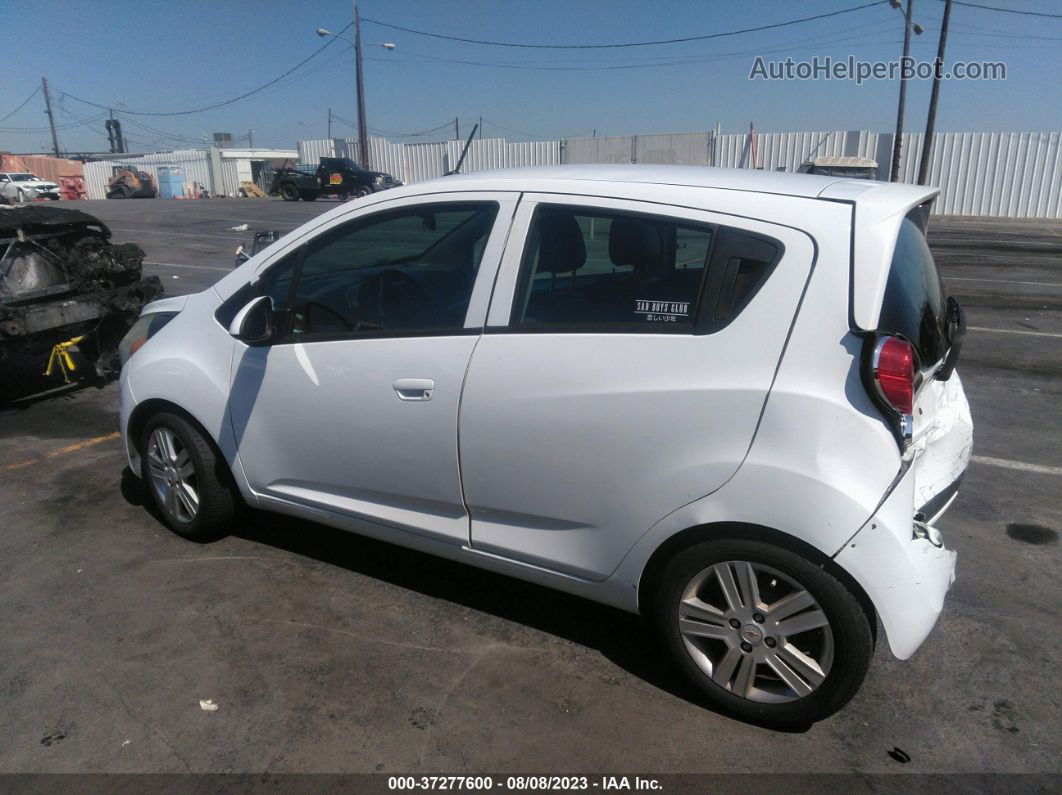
(913, 306)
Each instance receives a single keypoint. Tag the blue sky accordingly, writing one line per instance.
(163, 56)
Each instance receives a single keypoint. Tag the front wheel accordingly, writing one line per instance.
(188, 480)
(766, 634)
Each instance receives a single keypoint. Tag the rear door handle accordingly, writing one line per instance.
(414, 388)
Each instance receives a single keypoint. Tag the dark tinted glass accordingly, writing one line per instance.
(407, 270)
(587, 268)
(913, 306)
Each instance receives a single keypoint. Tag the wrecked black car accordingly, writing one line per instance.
(67, 295)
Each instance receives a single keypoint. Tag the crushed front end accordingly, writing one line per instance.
(61, 280)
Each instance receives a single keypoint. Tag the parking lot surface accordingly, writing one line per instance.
(326, 652)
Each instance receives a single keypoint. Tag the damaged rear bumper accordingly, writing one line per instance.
(903, 567)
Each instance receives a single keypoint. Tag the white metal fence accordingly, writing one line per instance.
(1013, 175)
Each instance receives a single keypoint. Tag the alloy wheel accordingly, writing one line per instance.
(173, 475)
(755, 632)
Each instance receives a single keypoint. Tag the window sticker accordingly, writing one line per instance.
(662, 311)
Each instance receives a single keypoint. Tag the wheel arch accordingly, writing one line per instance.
(147, 409)
(718, 531)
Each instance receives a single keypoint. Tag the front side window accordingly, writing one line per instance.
(587, 269)
(405, 271)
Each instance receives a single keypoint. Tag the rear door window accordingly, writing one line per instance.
(913, 306)
(591, 270)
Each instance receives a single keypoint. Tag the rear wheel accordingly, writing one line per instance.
(188, 481)
(289, 192)
(766, 634)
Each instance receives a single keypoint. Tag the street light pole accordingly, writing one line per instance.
(363, 127)
(931, 119)
(897, 142)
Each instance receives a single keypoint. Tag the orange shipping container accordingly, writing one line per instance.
(50, 168)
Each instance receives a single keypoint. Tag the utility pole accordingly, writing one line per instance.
(931, 119)
(329, 123)
(480, 126)
(250, 138)
(457, 129)
(51, 118)
(897, 142)
(363, 127)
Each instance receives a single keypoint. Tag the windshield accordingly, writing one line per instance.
(913, 305)
(25, 178)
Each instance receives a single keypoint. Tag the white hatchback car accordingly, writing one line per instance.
(724, 399)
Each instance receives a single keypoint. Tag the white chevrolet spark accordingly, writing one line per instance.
(723, 399)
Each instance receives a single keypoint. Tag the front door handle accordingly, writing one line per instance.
(414, 388)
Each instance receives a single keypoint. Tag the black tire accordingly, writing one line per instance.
(288, 192)
(308, 196)
(219, 499)
(117, 193)
(852, 636)
(54, 198)
(364, 191)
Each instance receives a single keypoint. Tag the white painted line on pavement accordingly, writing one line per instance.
(1013, 331)
(235, 236)
(196, 267)
(1001, 281)
(1019, 465)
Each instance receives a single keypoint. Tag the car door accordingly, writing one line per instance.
(628, 353)
(353, 409)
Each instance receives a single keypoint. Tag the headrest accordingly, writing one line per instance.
(560, 244)
(633, 241)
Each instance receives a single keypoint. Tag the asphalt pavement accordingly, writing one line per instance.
(326, 652)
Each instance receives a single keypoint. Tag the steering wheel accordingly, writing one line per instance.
(314, 309)
(393, 300)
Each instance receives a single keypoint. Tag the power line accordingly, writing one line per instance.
(624, 44)
(263, 87)
(684, 61)
(997, 8)
(24, 102)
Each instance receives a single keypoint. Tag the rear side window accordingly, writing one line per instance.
(913, 306)
(591, 270)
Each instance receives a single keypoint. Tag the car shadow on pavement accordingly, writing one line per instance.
(625, 639)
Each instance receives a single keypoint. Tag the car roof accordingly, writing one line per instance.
(775, 182)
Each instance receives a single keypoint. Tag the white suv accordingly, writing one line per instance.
(723, 399)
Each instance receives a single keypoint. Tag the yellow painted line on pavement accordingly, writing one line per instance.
(70, 448)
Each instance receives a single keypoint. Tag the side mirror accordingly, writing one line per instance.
(254, 323)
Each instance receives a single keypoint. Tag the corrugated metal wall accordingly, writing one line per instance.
(1013, 175)
(416, 162)
(195, 162)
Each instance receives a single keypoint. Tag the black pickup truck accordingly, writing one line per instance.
(333, 176)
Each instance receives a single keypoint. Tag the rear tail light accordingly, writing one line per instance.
(894, 373)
